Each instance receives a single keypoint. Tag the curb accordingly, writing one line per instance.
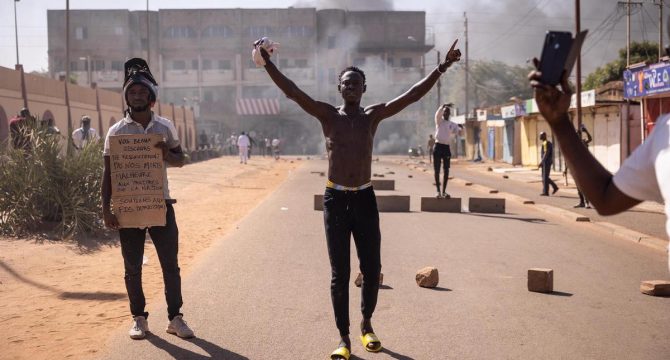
(613, 229)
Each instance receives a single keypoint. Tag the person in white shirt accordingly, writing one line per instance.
(275, 148)
(644, 175)
(85, 134)
(445, 130)
(243, 147)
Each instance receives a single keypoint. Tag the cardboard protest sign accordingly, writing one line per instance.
(137, 180)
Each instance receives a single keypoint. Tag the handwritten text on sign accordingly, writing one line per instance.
(137, 180)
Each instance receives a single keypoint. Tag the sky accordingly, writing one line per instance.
(511, 31)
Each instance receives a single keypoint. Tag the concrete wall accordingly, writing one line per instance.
(46, 99)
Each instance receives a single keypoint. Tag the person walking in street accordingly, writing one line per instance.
(445, 130)
(350, 205)
(547, 154)
(431, 146)
(243, 147)
(644, 175)
(140, 92)
(275, 148)
(85, 134)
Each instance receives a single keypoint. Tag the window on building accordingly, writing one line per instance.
(144, 44)
(194, 64)
(406, 62)
(283, 63)
(331, 42)
(301, 63)
(74, 66)
(178, 65)
(224, 65)
(217, 31)
(389, 61)
(80, 33)
(359, 61)
(259, 31)
(209, 96)
(332, 76)
(176, 32)
(99, 65)
(207, 64)
(299, 31)
(117, 65)
(118, 30)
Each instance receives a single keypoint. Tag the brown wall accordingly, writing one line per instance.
(46, 97)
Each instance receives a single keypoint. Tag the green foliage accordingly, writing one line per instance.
(41, 188)
(494, 83)
(639, 52)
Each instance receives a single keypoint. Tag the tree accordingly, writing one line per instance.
(639, 52)
(494, 82)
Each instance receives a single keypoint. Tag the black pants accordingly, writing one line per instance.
(166, 241)
(546, 180)
(346, 213)
(441, 153)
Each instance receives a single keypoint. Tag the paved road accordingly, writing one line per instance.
(648, 218)
(261, 292)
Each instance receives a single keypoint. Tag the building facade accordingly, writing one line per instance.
(202, 59)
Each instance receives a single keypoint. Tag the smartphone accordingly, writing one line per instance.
(555, 52)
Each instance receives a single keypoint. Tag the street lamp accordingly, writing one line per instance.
(16, 33)
(88, 69)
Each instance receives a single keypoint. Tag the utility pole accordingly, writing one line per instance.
(439, 83)
(16, 33)
(67, 76)
(578, 74)
(628, 5)
(660, 28)
(467, 99)
(148, 47)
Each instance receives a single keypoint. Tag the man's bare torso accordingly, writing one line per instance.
(349, 140)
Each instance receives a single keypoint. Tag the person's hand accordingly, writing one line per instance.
(264, 54)
(552, 102)
(164, 148)
(110, 219)
(453, 55)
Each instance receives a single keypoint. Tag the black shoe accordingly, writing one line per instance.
(543, 194)
(555, 190)
(580, 205)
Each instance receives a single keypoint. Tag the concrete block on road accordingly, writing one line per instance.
(493, 191)
(432, 204)
(528, 202)
(359, 279)
(655, 287)
(393, 203)
(318, 202)
(487, 205)
(541, 280)
(467, 183)
(383, 184)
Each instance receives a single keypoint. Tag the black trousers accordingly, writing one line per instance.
(346, 213)
(166, 241)
(441, 153)
(546, 180)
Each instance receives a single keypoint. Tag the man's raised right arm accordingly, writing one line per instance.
(315, 108)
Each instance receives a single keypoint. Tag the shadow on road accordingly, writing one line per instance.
(439, 288)
(385, 287)
(528, 220)
(560, 293)
(395, 355)
(214, 351)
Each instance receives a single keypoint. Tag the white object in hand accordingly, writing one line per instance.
(267, 44)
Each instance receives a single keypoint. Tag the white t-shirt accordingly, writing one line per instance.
(78, 137)
(243, 141)
(645, 175)
(444, 129)
(275, 142)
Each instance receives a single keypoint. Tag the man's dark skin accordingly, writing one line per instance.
(593, 179)
(350, 129)
(140, 111)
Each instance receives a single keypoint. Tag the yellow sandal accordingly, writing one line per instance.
(371, 338)
(342, 352)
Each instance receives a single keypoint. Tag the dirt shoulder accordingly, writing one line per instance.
(62, 301)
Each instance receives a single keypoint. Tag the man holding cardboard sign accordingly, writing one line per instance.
(137, 151)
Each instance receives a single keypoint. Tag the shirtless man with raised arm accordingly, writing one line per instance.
(349, 203)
